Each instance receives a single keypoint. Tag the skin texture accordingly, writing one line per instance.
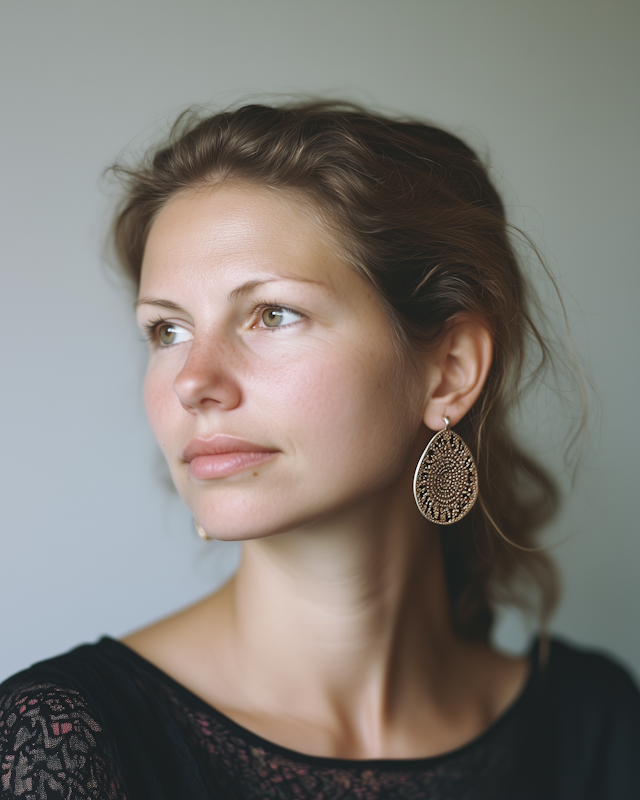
(334, 637)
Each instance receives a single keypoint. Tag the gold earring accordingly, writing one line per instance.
(201, 531)
(445, 484)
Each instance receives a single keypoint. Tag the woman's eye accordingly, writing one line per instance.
(169, 334)
(278, 317)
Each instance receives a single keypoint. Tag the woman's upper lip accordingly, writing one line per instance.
(221, 443)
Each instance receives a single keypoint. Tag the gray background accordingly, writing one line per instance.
(92, 541)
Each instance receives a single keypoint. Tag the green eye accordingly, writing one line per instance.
(169, 334)
(272, 317)
(277, 317)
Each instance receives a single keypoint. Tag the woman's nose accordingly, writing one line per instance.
(207, 378)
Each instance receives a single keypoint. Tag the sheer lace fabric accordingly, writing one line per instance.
(253, 770)
(52, 746)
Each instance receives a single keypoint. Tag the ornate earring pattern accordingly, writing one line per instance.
(201, 531)
(445, 484)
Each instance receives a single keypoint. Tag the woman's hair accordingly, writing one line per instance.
(414, 210)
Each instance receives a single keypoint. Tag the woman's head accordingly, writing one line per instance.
(398, 225)
(260, 332)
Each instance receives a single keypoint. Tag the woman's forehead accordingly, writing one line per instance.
(239, 232)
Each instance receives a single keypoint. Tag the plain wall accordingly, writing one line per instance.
(92, 541)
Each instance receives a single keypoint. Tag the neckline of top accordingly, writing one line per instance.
(390, 764)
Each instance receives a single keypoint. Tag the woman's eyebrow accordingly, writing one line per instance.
(249, 286)
(150, 301)
(239, 291)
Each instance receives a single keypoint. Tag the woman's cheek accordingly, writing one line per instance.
(160, 403)
(333, 405)
(304, 391)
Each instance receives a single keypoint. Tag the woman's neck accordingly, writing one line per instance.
(343, 607)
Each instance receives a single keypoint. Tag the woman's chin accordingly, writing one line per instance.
(234, 528)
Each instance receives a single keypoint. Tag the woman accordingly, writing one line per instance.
(338, 331)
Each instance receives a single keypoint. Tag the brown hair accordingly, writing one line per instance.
(415, 212)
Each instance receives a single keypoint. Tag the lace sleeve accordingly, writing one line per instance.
(52, 747)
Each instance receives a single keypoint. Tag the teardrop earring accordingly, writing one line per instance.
(445, 484)
(201, 531)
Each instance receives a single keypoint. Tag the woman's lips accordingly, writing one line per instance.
(222, 464)
(223, 455)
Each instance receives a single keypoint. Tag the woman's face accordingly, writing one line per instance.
(274, 385)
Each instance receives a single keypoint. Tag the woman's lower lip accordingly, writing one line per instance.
(223, 464)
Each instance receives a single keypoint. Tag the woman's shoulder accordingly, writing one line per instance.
(589, 710)
(97, 678)
(52, 739)
(88, 723)
(90, 671)
(575, 672)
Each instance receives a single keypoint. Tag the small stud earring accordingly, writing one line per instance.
(201, 531)
(445, 484)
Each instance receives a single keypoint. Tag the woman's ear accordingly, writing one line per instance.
(458, 370)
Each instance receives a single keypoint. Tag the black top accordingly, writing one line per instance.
(101, 722)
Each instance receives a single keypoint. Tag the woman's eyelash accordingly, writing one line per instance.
(264, 305)
(150, 328)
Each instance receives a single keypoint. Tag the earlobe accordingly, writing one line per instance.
(459, 370)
